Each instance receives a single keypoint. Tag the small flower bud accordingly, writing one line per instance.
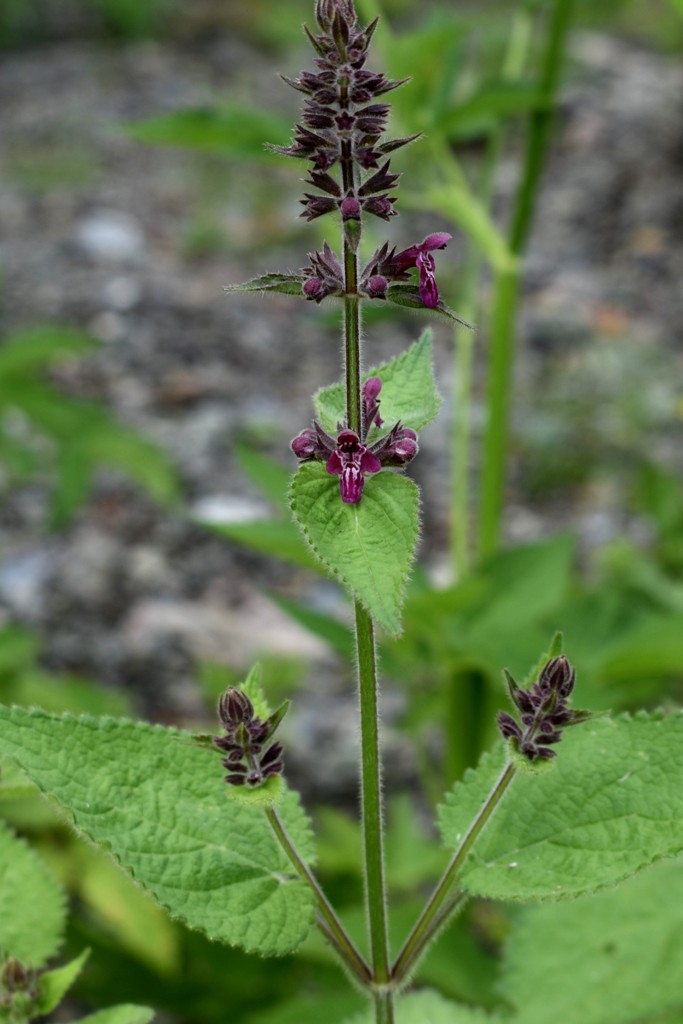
(350, 208)
(376, 287)
(313, 289)
(306, 445)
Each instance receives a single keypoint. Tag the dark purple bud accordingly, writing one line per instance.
(508, 727)
(398, 447)
(271, 755)
(559, 675)
(380, 206)
(350, 208)
(545, 754)
(237, 769)
(234, 707)
(306, 444)
(376, 288)
(325, 182)
(313, 289)
(316, 206)
(235, 780)
(371, 390)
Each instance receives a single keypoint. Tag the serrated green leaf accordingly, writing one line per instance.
(599, 959)
(428, 1007)
(159, 804)
(287, 284)
(32, 911)
(54, 985)
(408, 295)
(368, 546)
(234, 130)
(408, 390)
(278, 537)
(612, 804)
(124, 1014)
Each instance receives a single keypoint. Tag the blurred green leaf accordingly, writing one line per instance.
(232, 129)
(268, 474)
(335, 633)
(489, 103)
(287, 284)
(278, 537)
(456, 201)
(124, 1014)
(53, 985)
(426, 1006)
(38, 348)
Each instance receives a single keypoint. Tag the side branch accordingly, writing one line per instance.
(328, 921)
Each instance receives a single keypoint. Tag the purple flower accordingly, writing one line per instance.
(349, 456)
(420, 256)
(350, 460)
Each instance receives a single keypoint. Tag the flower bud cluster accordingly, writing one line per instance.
(250, 758)
(348, 456)
(341, 130)
(544, 711)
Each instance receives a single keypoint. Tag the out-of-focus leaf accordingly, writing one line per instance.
(37, 348)
(124, 1014)
(53, 985)
(234, 130)
(277, 537)
(331, 630)
(491, 102)
(268, 474)
(456, 201)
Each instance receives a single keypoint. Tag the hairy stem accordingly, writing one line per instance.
(506, 292)
(370, 765)
(328, 921)
(434, 914)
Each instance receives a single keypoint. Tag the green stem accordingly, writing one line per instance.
(436, 913)
(327, 918)
(506, 292)
(371, 794)
(370, 765)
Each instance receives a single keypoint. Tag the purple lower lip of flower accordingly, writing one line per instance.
(350, 461)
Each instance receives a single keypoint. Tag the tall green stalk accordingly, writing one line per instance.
(463, 385)
(507, 287)
(370, 763)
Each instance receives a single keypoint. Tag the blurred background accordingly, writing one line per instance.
(145, 556)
